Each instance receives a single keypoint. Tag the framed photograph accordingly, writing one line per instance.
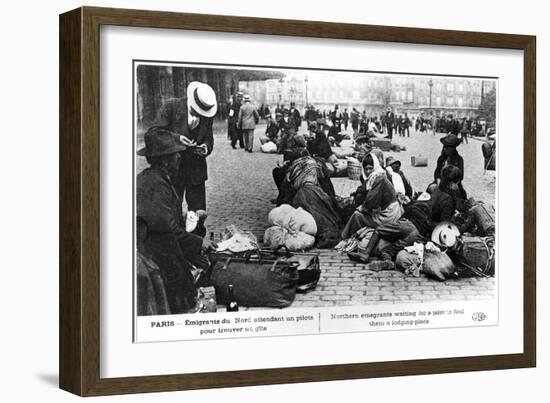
(249, 201)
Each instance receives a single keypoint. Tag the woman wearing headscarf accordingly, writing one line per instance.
(450, 156)
(379, 205)
(447, 197)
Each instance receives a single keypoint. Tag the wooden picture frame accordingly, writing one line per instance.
(79, 346)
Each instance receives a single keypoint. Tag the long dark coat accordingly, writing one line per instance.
(173, 115)
(161, 236)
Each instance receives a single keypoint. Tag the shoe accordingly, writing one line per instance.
(234, 148)
(358, 257)
(381, 265)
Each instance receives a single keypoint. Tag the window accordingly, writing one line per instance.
(459, 102)
(355, 95)
(450, 101)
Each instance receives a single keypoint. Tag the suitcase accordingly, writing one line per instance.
(258, 281)
(419, 161)
(381, 143)
(307, 263)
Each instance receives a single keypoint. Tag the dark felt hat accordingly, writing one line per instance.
(160, 141)
(391, 160)
(450, 140)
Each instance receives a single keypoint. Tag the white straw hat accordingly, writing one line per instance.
(202, 98)
(445, 234)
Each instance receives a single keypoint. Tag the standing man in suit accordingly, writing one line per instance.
(236, 133)
(191, 118)
(389, 122)
(248, 119)
(294, 116)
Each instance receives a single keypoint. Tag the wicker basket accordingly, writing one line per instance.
(354, 170)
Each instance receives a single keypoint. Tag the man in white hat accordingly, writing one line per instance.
(248, 118)
(191, 117)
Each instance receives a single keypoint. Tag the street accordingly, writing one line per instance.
(240, 187)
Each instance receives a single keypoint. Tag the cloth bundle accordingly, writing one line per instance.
(269, 147)
(426, 258)
(294, 228)
(237, 241)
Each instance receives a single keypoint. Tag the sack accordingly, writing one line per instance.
(309, 269)
(300, 220)
(278, 214)
(476, 256)
(151, 295)
(299, 241)
(269, 147)
(275, 236)
(437, 264)
(257, 282)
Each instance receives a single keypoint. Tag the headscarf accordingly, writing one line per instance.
(378, 170)
(396, 180)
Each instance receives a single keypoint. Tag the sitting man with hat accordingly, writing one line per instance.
(191, 118)
(160, 225)
(271, 130)
(317, 142)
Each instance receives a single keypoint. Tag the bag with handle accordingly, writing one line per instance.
(476, 256)
(309, 269)
(258, 281)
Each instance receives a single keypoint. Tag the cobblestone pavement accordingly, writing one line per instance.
(240, 187)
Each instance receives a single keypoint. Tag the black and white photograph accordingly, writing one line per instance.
(263, 188)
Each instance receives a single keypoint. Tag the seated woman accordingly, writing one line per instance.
(377, 198)
(313, 191)
(160, 226)
(410, 228)
(447, 196)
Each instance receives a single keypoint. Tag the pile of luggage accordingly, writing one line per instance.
(240, 273)
(449, 255)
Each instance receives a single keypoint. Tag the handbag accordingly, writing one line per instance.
(257, 280)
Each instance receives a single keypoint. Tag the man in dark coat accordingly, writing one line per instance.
(191, 118)
(317, 142)
(389, 122)
(233, 114)
(294, 116)
(160, 225)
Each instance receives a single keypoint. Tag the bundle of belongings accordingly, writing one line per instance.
(269, 147)
(267, 277)
(293, 228)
